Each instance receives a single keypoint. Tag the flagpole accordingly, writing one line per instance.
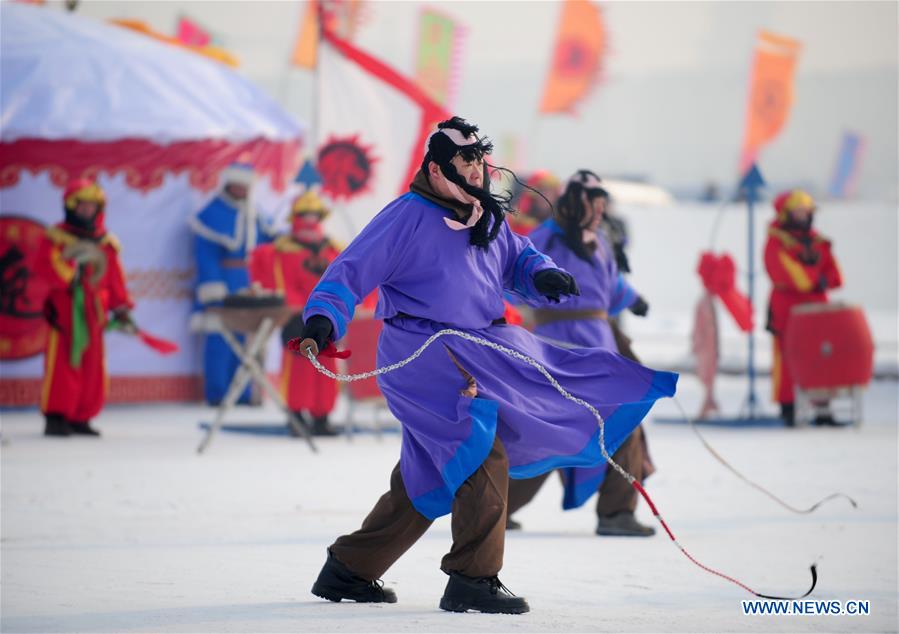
(316, 99)
(751, 182)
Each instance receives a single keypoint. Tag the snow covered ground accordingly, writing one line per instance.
(138, 533)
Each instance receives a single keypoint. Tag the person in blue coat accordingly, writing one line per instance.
(226, 231)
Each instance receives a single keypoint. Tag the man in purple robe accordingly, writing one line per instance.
(572, 240)
(442, 256)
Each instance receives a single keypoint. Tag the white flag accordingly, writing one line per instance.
(373, 125)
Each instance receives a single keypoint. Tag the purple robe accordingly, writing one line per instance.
(430, 278)
(602, 288)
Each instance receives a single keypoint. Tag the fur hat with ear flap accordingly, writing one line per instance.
(456, 137)
(588, 180)
(238, 174)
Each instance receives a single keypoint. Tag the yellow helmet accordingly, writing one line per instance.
(83, 189)
(309, 203)
(793, 199)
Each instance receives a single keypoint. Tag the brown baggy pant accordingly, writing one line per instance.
(393, 525)
(615, 494)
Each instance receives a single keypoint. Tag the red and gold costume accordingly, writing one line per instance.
(533, 210)
(293, 265)
(79, 261)
(802, 267)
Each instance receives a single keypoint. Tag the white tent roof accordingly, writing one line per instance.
(63, 76)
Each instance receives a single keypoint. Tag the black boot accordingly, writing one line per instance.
(336, 582)
(788, 413)
(623, 524)
(56, 425)
(481, 594)
(321, 427)
(83, 428)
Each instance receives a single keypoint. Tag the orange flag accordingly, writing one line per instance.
(577, 57)
(770, 93)
(305, 49)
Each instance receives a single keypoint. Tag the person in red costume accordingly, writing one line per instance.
(79, 261)
(533, 209)
(293, 265)
(802, 267)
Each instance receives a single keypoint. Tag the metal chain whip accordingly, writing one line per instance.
(347, 378)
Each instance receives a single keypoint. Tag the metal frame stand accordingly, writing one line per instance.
(249, 370)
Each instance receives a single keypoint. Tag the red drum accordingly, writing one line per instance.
(829, 346)
(362, 339)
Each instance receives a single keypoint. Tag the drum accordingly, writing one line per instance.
(362, 338)
(829, 346)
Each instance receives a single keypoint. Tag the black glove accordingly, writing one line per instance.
(318, 329)
(808, 256)
(821, 286)
(639, 307)
(292, 329)
(52, 315)
(553, 283)
(124, 321)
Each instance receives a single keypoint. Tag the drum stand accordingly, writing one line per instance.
(258, 324)
(808, 407)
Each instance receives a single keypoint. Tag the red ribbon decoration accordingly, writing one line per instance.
(162, 346)
(718, 273)
(511, 315)
(330, 350)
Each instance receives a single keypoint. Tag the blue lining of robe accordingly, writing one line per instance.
(577, 494)
(626, 296)
(469, 456)
(341, 291)
(527, 261)
(631, 414)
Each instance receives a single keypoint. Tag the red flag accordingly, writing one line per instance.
(192, 34)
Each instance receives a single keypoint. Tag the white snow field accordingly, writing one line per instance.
(135, 532)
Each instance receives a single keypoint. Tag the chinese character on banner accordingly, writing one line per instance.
(22, 323)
